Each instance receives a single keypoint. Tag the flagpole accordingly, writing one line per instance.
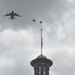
(41, 41)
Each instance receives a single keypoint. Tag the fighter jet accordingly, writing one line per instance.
(34, 20)
(12, 14)
(40, 22)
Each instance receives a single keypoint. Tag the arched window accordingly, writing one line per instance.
(39, 70)
(44, 70)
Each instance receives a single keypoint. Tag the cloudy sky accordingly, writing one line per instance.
(20, 38)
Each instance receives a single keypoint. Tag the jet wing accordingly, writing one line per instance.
(16, 15)
(8, 14)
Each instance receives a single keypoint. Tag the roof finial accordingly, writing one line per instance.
(41, 41)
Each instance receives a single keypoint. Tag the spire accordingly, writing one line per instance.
(41, 64)
(41, 42)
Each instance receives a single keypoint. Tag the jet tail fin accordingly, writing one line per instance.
(12, 18)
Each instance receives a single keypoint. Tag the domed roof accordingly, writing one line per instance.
(41, 59)
(41, 56)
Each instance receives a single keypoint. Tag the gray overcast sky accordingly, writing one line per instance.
(20, 38)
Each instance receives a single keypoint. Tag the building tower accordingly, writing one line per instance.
(41, 64)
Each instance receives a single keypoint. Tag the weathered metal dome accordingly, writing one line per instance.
(41, 59)
(41, 56)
